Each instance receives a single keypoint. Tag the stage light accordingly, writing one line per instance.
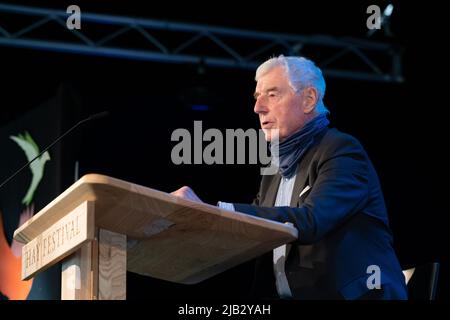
(388, 11)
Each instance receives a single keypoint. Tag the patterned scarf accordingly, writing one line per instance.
(294, 147)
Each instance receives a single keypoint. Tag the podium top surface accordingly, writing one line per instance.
(169, 238)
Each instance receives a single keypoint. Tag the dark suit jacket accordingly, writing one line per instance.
(342, 223)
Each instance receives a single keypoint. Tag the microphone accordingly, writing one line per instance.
(92, 117)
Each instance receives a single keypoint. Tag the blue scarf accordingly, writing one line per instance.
(294, 147)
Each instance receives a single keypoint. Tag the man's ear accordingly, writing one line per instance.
(310, 97)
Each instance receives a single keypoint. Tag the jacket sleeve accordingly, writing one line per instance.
(339, 191)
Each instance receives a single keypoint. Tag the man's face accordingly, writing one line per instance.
(277, 105)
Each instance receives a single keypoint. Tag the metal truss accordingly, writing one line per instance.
(173, 42)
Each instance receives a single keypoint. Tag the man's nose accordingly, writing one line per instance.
(259, 106)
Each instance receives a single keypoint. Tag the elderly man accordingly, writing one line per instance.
(327, 188)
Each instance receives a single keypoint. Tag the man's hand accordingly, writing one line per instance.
(186, 193)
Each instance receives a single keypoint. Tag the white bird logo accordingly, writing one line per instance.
(27, 144)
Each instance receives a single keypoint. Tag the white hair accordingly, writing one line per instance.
(301, 73)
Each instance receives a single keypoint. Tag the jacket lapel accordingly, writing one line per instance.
(302, 177)
(272, 190)
(303, 171)
(300, 180)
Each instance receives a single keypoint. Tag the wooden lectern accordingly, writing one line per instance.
(100, 227)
